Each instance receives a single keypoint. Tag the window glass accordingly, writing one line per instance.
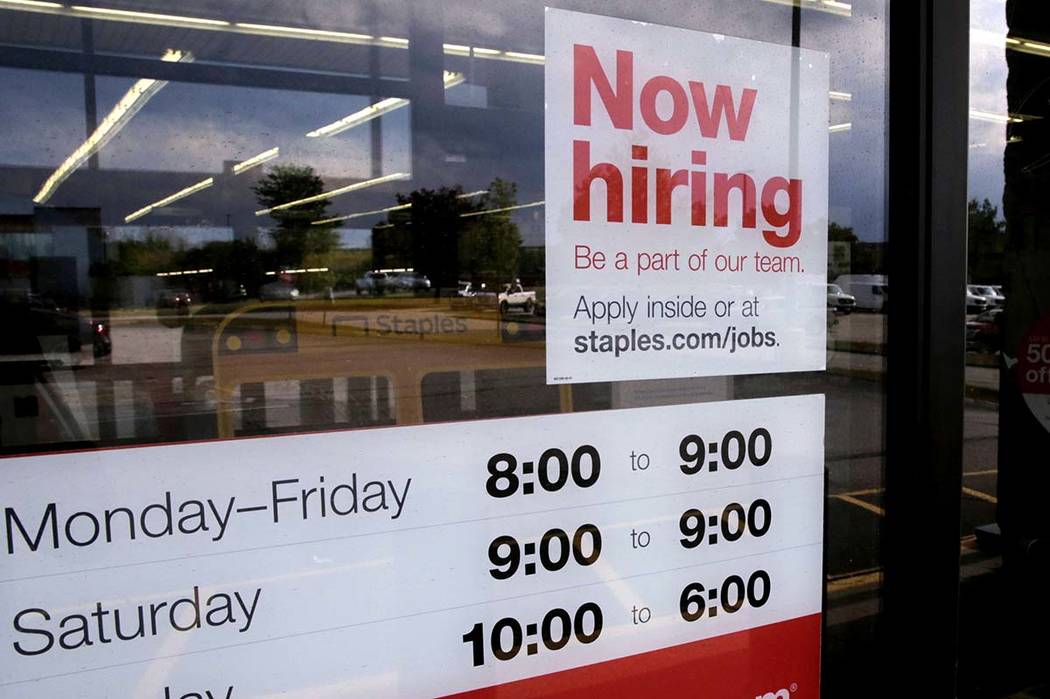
(224, 220)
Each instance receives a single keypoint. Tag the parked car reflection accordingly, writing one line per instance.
(278, 291)
(839, 301)
(990, 294)
(983, 332)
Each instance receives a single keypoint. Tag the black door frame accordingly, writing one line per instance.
(927, 176)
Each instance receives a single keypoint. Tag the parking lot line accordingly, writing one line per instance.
(860, 503)
(859, 579)
(980, 496)
(860, 493)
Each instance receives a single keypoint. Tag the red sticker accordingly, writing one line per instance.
(1033, 370)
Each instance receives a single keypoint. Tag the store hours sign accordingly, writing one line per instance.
(672, 551)
(686, 180)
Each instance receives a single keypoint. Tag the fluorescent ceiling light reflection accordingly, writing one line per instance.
(164, 19)
(399, 207)
(359, 117)
(502, 209)
(378, 109)
(280, 30)
(839, 128)
(1013, 43)
(256, 160)
(360, 214)
(834, 7)
(523, 57)
(129, 105)
(494, 54)
(185, 272)
(27, 4)
(840, 96)
(1036, 48)
(304, 33)
(182, 193)
(302, 270)
(336, 192)
(148, 17)
(980, 115)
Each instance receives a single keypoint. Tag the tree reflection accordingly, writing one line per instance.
(296, 238)
(448, 235)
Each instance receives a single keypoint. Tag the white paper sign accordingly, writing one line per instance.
(686, 199)
(384, 563)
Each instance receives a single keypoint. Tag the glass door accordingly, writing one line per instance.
(280, 378)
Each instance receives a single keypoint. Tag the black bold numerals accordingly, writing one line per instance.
(692, 603)
(505, 555)
(760, 447)
(590, 611)
(553, 478)
(586, 466)
(692, 451)
(587, 544)
(553, 470)
(508, 636)
(733, 522)
(500, 646)
(556, 638)
(555, 549)
(759, 517)
(733, 451)
(503, 481)
(697, 601)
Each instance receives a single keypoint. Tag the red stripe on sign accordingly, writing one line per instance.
(779, 661)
